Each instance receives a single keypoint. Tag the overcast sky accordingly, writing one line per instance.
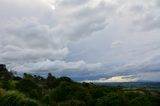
(89, 40)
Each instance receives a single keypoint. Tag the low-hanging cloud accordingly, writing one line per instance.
(57, 65)
(128, 78)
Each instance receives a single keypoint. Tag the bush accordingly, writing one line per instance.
(112, 99)
(29, 88)
(141, 100)
(13, 98)
(67, 91)
(72, 103)
(9, 85)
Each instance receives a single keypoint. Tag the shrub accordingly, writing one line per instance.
(112, 99)
(13, 98)
(72, 103)
(67, 91)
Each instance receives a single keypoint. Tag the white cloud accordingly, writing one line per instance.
(128, 78)
(33, 31)
(28, 40)
(116, 43)
(57, 65)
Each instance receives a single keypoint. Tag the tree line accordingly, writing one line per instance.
(34, 90)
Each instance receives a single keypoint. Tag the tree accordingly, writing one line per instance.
(72, 103)
(141, 100)
(30, 88)
(66, 91)
(14, 98)
(5, 75)
(51, 80)
(113, 99)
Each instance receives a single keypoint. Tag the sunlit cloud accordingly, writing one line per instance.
(128, 78)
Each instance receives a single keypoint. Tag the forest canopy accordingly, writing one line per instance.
(34, 90)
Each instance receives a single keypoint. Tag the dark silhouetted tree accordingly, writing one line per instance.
(51, 81)
(5, 75)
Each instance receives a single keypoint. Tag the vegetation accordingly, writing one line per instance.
(51, 91)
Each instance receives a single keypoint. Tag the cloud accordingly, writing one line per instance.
(116, 44)
(149, 64)
(28, 40)
(129, 44)
(57, 65)
(149, 76)
(38, 33)
(128, 78)
(118, 37)
(71, 2)
(146, 18)
(148, 22)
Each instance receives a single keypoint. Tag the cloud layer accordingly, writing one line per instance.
(40, 32)
(96, 38)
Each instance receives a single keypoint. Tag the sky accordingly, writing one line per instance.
(87, 40)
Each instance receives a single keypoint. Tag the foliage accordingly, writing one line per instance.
(51, 81)
(112, 99)
(14, 98)
(5, 75)
(72, 103)
(51, 91)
